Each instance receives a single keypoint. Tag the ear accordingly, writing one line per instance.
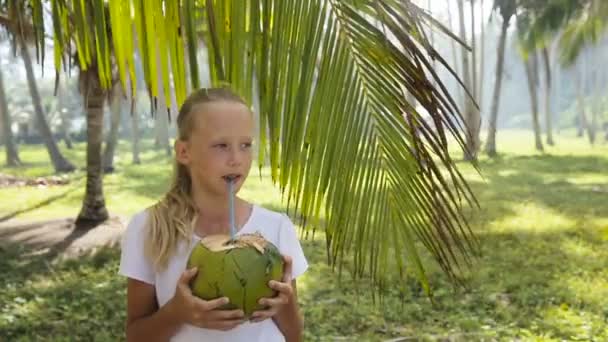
(182, 151)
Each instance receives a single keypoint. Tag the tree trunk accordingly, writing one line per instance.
(454, 54)
(557, 90)
(93, 209)
(135, 134)
(500, 62)
(474, 54)
(582, 119)
(65, 120)
(162, 125)
(595, 114)
(482, 61)
(581, 82)
(432, 34)
(112, 138)
(548, 113)
(60, 163)
(12, 155)
(531, 73)
(596, 102)
(471, 115)
(162, 120)
(66, 132)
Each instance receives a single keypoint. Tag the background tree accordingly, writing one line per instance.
(472, 119)
(116, 107)
(506, 9)
(331, 94)
(12, 154)
(16, 22)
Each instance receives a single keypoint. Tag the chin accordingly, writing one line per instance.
(222, 187)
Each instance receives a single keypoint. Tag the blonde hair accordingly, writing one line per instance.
(172, 219)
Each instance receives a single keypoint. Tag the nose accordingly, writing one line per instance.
(235, 157)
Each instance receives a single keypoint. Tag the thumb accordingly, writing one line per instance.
(187, 275)
(287, 268)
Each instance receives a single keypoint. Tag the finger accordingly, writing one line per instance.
(279, 300)
(187, 275)
(229, 325)
(261, 315)
(227, 314)
(281, 287)
(288, 268)
(222, 325)
(208, 305)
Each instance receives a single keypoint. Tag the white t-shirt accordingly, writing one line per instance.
(275, 227)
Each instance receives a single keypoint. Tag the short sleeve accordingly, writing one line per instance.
(133, 262)
(290, 245)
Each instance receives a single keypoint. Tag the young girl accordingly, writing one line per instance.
(214, 145)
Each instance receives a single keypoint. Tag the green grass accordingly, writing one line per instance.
(543, 274)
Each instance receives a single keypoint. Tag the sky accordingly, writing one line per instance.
(439, 9)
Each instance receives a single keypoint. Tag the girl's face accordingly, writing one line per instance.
(219, 146)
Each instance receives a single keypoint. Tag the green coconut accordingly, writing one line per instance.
(239, 270)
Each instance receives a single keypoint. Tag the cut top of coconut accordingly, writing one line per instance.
(222, 242)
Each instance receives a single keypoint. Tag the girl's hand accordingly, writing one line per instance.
(284, 297)
(187, 308)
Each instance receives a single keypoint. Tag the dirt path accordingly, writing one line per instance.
(59, 237)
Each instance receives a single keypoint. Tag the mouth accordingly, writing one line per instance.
(232, 177)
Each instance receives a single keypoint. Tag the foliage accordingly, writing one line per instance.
(335, 124)
(543, 275)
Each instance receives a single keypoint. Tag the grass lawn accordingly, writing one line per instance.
(543, 275)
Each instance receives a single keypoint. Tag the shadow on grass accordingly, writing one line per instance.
(41, 204)
(75, 299)
(522, 285)
(520, 180)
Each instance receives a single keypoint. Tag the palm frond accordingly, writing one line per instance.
(350, 154)
(584, 28)
(332, 79)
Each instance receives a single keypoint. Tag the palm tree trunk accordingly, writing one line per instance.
(66, 132)
(594, 120)
(93, 207)
(557, 90)
(531, 73)
(471, 115)
(482, 60)
(583, 122)
(161, 118)
(474, 54)
(596, 104)
(135, 134)
(12, 155)
(65, 120)
(491, 141)
(60, 163)
(111, 141)
(454, 53)
(548, 113)
(432, 34)
(582, 119)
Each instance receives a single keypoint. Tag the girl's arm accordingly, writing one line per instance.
(289, 320)
(145, 322)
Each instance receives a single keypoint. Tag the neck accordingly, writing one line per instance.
(215, 209)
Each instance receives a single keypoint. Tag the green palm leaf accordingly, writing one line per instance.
(333, 102)
(350, 154)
